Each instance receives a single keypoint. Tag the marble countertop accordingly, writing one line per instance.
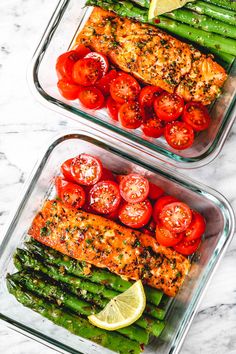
(25, 126)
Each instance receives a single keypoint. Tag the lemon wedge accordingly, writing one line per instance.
(122, 310)
(159, 7)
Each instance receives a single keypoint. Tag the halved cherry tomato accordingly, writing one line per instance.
(179, 135)
(107, 175)
(113, 108)
(134, 188)
(124, 88)
(176, 217)
(167, 238)
(105, 82)
(159, 205)
(155, 191)
(91, 97)
(105, 197)
(197, 227)
(66, 170)
(113, 215)
(73, 195)
(150, 228)
(136, 215)
(153, 127)
(148, 95)
(129, 115)
(86, 169)
(65, 64)
(86, 72)
(59, 184)
(197, 116)
(81, 50)
(101, 59)
(119, 178)
(168, 106)
(68, 90)
(187, 247)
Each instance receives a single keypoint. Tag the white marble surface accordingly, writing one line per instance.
(25, 126)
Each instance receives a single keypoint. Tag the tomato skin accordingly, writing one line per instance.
(197, 227)
(66, 170)
(153, 127)
(124, 88)
(135, 215)
(91, 97)
(179, 135)
(73, 195)
(119, 178)
(197, 116)
(113, 108)
(68, 90)
(155, 191)
(59, 184)
(129, 115)
(168, 106)
(86, 72)
(105, 197)
(187, 247)
(107, 175)
(148, 94)
(101, 59)
(105, 82)
(134, 188)
(159, 205)
(167, 238)
(81, 50)
(176, 217)
(65, 64)
(86, 169)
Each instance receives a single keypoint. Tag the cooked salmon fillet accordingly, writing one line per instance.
(106, 244)
(153, 56)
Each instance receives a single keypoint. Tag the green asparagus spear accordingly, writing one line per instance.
(96, 275)
(227, 16)
(205, 23)
(143, 3)
(75, 324)
(36, 283)
(228, 4)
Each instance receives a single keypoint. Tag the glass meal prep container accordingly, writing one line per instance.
(68, 18)
(213, 206)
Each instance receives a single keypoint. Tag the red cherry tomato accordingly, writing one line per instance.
(73, 195)
(153, 127)
(150, 228)
(197, 116)
(107, 175)
(155, 192)
(65, 64)
(113, 215)
(187, 247)
(86, 169)
(179, 135)
(134, 188)
(167, 238)
(113, 108)
(105, 197)
(81, 50)
(119, 178)
(148, 95)
(197, 227)
(168, 106)
(124, 88)
(159, 205)
(136, 215)
(59, 184)
(66, 170)
(176, 217)
(129, 115)
(105, 82)
(86, 72)
(101, 59)
(68, 90)
(91, 97)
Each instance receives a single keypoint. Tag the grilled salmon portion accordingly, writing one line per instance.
(153, 56)
(106, 244)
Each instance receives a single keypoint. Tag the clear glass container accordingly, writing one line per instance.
(68, 18)
(220, 227)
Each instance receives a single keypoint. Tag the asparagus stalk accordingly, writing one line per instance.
(203, 22)
(227, 16)
(143, 3)
(37, 284)
(99, 276)
(228, 4)
(75, 324)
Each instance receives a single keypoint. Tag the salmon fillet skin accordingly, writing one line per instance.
(153, 56)
(106, 244)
